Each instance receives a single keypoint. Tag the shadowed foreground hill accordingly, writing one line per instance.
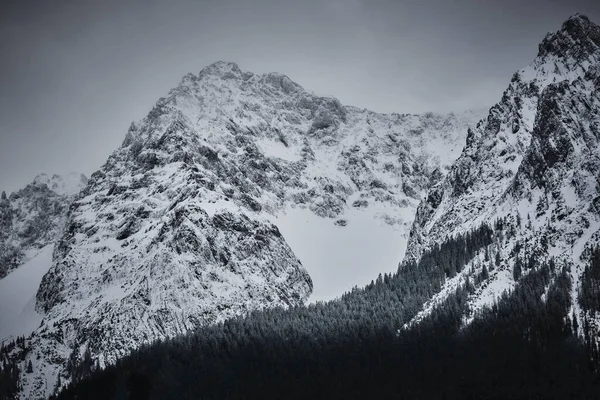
(524, 347)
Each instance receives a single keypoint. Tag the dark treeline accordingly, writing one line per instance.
(355, 347)
(589, 296)
(9, 368)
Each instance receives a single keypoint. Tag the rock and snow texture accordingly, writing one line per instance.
(67, 185)
(536, 158)
(34, 216)
(215, 201)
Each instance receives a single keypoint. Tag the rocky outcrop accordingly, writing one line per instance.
(34, 216)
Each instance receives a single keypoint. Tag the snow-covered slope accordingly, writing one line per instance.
(34, 216)
(18, 316)
(191, 220)
(533, 162)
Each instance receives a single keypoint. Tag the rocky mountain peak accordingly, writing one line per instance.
(222, 69)
(577, 38)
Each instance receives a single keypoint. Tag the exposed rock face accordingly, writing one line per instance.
(33, 217)
(179, 228)
(534, 161)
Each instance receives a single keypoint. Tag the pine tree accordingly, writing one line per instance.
(3, 196)
(484, 273)
(29, 369)
(517, 270)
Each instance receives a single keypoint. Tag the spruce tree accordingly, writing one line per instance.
(517, 270)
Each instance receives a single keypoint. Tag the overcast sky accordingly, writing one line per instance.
(74, 74)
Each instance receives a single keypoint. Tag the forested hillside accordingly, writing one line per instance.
(524, 346)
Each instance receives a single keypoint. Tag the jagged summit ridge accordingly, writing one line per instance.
(223, 69)
(577, 38)
(231, 70)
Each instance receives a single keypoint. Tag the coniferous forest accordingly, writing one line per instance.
(360, 346)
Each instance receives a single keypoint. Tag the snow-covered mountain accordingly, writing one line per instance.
(217, 201)
(237, 188)
(34, 216)
(534, 164)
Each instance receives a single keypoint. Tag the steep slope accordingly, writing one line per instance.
(180, 227)
(34, 216)
(531, 167)
(18, 316)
